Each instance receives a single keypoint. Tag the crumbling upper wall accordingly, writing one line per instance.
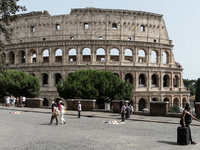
(90, 24)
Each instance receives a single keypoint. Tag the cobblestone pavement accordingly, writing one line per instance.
(31, 131)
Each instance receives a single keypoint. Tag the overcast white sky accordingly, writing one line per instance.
(182, 18)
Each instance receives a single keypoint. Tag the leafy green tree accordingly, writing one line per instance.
(18, 83)
(95, 84)
(197, 97)
(8, 9)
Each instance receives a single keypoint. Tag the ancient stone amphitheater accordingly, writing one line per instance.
(134, 45)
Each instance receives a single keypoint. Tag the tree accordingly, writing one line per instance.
(197, 97)
(18, 83)
(8, 9)
(94, 84)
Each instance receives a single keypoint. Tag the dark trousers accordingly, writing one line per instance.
(187, 125)
(79, 114)
(122, 115)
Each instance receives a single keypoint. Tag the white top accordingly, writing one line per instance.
(23, 99)
(79, 107)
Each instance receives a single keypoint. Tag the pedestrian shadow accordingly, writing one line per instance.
(168, 142)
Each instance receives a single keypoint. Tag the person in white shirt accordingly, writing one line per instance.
(79, 109)
(62, 112)
(123, 109)
(8, 101)
(23, 101)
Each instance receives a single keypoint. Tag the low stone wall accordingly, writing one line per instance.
(34, 102)
(86, 104)
(197, 109)
(158, 108)
(116, 107)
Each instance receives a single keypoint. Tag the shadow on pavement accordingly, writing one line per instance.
(168, 142)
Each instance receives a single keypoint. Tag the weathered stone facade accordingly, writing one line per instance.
(121, 41)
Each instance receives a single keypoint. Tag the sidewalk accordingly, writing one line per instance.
(106, 115)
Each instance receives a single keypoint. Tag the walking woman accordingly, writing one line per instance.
(187, 119)
(54, 114)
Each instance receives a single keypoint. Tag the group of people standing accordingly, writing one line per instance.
(58, 111)
(13, 101)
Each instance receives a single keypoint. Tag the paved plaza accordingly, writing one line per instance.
(31, 131)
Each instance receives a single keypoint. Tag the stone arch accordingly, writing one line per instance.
(165, 57)
(86, 54)
(128, 55)
(11, 57)
(45, 102)
(58, 78)
(100, 54)
(142, 104)
(58, 55)
(114, 54)
(176, 81)
(72, 55)
(184, 100)
(154, 56)
(166, 80)
(45, 56)
(176, 101)
(129, 78)
(154, 80)
(22, 56)
(141, 56)
(45, 80)
(142, 80)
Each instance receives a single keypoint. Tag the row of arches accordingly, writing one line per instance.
(143, 103)
(142, 81)
(86, 55)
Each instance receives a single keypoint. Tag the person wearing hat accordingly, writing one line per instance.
(79, 109)
(187, 119)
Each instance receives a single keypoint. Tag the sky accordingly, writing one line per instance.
(182, 19)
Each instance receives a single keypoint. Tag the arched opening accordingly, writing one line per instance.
(72, 55)
(45, 80)
(154, 58)
(45, 102)
(176, 102)
(166, 81)
(142, 80)
(86, 54)
(58, 78)
(165, 57)
(46, 56)
(116, 74)
(129, 78)
(141, 104)
(114, 54)
(154, 82)
(183, 102)
(153, 99)
(58, 55)
(34, 57)
(141, 56)
(100, 54)
(11, 58)
(128, 55)
(176, 81)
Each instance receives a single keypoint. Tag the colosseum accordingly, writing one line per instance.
(134, 45)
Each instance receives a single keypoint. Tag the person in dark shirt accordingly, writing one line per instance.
(187, 119)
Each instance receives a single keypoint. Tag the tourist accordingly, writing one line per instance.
(131, 108)
(187, 119)
(23, 101)
(79, 109)
(8, 101)
(123, 111)
(62, 112)
(54, 114)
